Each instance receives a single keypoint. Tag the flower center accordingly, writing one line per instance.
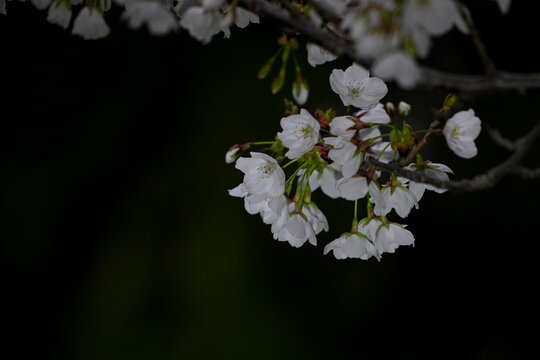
(354, 89)
(266, 170)
(303, 131)
(456, 132)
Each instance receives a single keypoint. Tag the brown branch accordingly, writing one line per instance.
(412, 154)
(500, 140)
(430, 77)
(325, 11)
(527, 173)
(489, 65)
(479, 182)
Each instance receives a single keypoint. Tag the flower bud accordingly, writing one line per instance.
(234, 152)
(278, 81)
(390, 109)
(300, 90)
(265, 69)
(404, 108)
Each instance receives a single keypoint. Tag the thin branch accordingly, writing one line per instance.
(430, 77)
(410, 157)
(500, 140)
(479, 182)
(489, 65)
(325, 11)
(527, 173)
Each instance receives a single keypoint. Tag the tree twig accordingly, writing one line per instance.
(489, 65)
(431, 78)
(512, 165)
(500, 140)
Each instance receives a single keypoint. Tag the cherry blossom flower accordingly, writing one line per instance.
(351, 245)
(270, 207)
(396, 197)
(41, 4)
(504, 5)
(203, 24)
(434, 16)
(357, 187)
(300, 133)
(262, 174)
(60, 13)
(318, 55)
(90, 24)
(434, 170)
(326, 180)
(155, 14)
(356, 88)
(398, 66)
(376, 115)
(293, 228)
(460, 132)
(243, 17)
(386, 237)
(315, 217)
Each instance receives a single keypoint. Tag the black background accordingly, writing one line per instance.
(119, 239)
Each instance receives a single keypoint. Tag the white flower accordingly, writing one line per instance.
(60, 13)
(386, 238)
(398, 66)
(262, 174)
(343, 126)
(243, 17)
(203, 24)
(293, 228)
(270, 207)
(156, 15)
(318, 55)
(396, 197)
(183, 5)
(435, 16)
(460, 132)
(239, 191)
(351, 245)
(90, 24)
(315, 217)
(300, 133)
(353, 188)
(345, 153)
(356, 88)
(365, 26)
(376, 115)
(327, 180)
(212, 4)
(41, 4)
(434, 170)
(504, 5)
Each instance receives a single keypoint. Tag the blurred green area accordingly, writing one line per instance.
(119, 239)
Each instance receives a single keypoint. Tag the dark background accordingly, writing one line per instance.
(119, 239)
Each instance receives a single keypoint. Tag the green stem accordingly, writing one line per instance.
(263, 143)
(289, 163)
(425, 131)
(383, 151)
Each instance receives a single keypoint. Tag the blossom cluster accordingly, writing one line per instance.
(202, 19)
(392, 34)
(330, 153)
